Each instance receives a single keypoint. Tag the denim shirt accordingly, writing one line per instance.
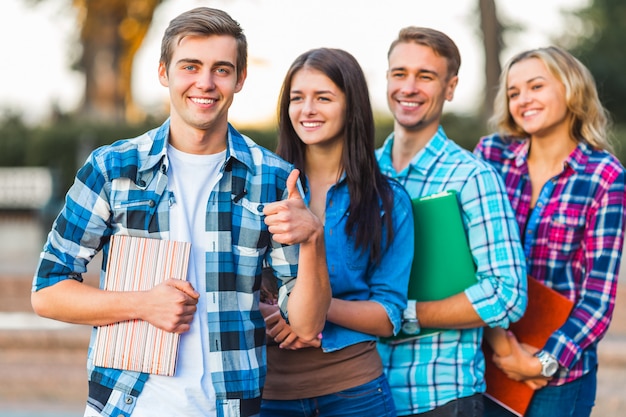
(353, 276)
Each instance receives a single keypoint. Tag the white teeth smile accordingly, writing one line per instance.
(530, 113)
(409, 104)
(311, 124)
(203, 100)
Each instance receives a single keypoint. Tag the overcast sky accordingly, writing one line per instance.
(37, 43)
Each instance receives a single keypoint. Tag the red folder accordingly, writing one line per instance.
(547, 310)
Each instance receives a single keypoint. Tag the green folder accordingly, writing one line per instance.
(442, 264)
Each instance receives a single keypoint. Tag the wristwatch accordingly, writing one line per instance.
(410, 323)
(549, 364)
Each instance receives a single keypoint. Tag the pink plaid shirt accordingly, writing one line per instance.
(572, 240)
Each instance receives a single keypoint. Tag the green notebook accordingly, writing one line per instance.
(442, 263)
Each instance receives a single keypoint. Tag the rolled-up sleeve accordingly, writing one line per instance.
(500, 296)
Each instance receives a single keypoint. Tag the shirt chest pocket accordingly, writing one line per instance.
(566, 232)
(357, 258)
(250, 240)
(133, 207)
(249, 225)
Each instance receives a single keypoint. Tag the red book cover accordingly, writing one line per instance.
(547, 310)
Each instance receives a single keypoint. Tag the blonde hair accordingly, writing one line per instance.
(589, 120)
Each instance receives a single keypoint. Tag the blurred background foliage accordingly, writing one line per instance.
(116, 29)
(63, 145)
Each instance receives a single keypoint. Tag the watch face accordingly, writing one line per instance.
(549, 365)
(550, 368)
(411, 327)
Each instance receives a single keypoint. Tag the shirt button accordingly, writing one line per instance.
(141, 183)
(260, 207)
(152, 203)
(129, 400)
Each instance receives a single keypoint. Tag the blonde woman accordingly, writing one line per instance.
(567, 190)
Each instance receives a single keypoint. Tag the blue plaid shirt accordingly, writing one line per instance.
(431, 371)
(122, 189)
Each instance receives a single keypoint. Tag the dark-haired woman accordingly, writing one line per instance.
(326, 129)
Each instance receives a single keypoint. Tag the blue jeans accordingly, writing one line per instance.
(372, 399)
(574, 399)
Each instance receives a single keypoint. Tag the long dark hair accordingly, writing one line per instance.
(367, 186)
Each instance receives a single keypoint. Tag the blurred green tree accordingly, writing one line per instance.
(596, 35)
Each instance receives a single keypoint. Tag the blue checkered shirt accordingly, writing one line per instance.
(429, 372)
(122, 189)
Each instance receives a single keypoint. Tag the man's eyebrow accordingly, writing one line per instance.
(224, 64)
(199, 62)
(188, 61)
(419, 71)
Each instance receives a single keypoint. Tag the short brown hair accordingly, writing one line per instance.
(204, 21)
(434, 39)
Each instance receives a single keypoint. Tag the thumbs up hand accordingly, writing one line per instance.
(290, 221)
(292, 185)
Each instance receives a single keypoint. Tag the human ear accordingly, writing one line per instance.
(163, 75)
(240, 80)
(451, 87)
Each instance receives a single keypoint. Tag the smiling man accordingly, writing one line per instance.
(193, 179)
(443, 374)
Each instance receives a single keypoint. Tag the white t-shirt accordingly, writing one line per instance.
(189, 393)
